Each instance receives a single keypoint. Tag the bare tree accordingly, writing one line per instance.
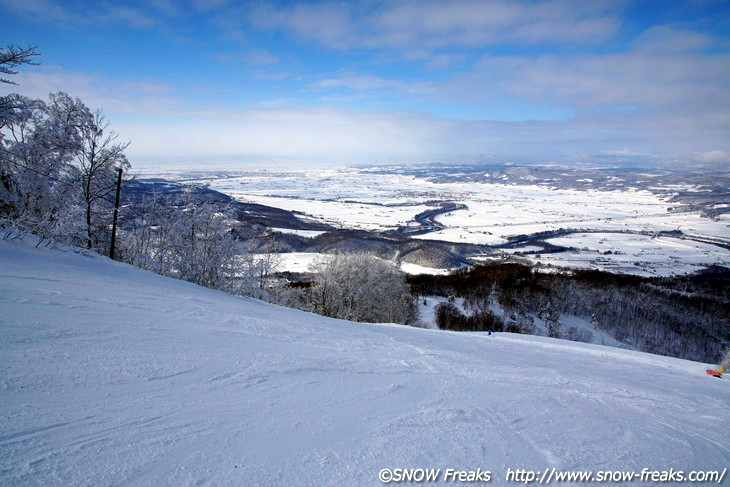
(145, 227)
(16, 116)
(551, 316)
(22, 161)
(94, 172)
(361, 287)
(57, 162)
(204, 246)
(255, 268)
(13, 57)
(183, 239)
(40, 140)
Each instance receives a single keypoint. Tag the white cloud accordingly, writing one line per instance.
(324, 134)
(328, 134)
(256, 56)
(208, 5)
(87, 13)
(128, 16)
(139, 96)
(261, 57)
(671, 39)
(365, 83)
(162, 125)
(44, 9)
(661, 96)
(329, 24)
(472, 24)
(436, 24)
(618, 80)
(713, 157)
(167, 7)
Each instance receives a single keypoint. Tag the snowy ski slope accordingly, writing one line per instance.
(115, 376)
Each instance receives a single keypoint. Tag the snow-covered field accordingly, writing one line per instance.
(302, 261)
(638, 254)
(375, 200)
(115, 376)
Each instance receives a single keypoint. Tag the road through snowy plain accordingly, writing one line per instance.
(115, 376)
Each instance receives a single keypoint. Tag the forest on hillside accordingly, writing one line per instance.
(685, 317)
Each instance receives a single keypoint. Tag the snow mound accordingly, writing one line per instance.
(116, 376)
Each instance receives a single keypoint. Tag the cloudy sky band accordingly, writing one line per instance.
(399, 81)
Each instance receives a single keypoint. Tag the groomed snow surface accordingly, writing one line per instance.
(115, 376)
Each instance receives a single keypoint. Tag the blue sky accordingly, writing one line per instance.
(208, 82)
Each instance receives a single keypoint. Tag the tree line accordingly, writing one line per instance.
(684, 317)
(58, 164)
(354, 286)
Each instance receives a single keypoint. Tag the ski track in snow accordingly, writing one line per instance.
(115, 376)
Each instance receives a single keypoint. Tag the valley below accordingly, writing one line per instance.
(435, 218)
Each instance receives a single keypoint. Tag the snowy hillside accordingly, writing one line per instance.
(115, 376)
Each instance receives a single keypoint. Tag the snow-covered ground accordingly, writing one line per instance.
(297, 261)
(373, 200)
(116, 376)
(635, 254)
(302, 262)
